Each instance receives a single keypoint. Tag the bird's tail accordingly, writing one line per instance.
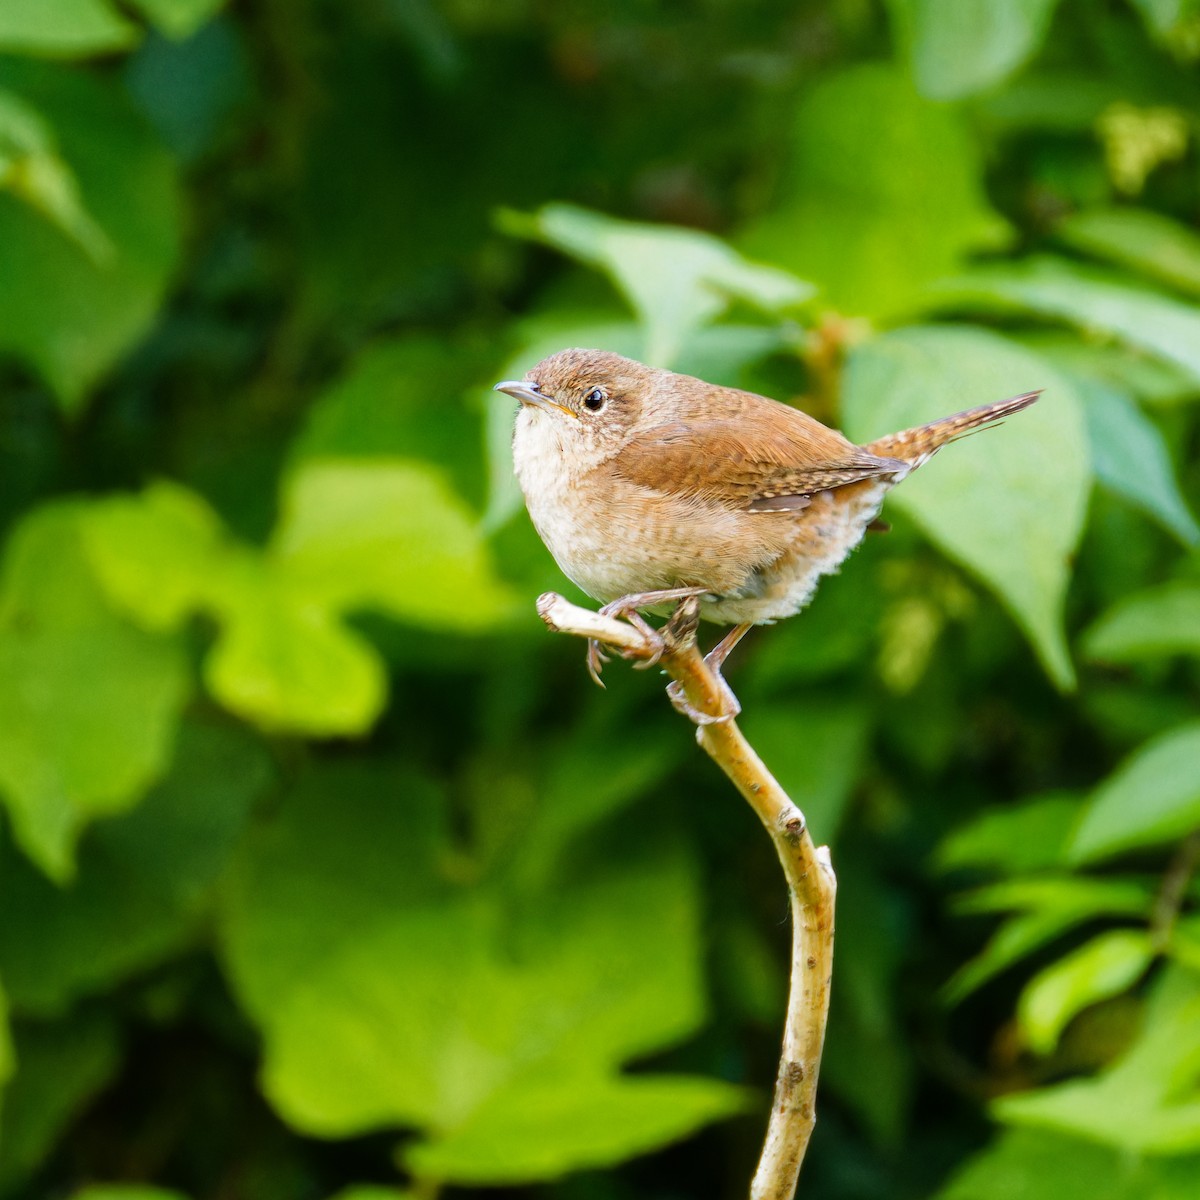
(914, 446)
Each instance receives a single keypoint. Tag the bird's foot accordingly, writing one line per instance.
(730, 707)
(714, 660)
(627, 608)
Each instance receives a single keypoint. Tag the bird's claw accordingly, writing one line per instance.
(626, 608)
(730, 707)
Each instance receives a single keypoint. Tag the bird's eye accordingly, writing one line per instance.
(594, 400)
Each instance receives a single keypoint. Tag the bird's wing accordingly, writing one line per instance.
(756, 461)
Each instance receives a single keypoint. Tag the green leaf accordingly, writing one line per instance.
(64, 28)
(287, 662)
(1145, 241)
(1036, 1164)
(143, 882)
(541, 1132)
(388, 995)
(387, 535)
(60, 1067)
(1013, 840)
(676, 280)
(1158, 622)
(1146, 1102)
(959, 47)
(1098, 970)
(158, 554)
(1153, 797)
(33, 171)
(1131, 458)
(883, 194)
(1050, 907)
(88, 703)
(67, 315)
(178, 18)
(1009, 504)
(1088, 298)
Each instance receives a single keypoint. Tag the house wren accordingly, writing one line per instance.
(647, 486)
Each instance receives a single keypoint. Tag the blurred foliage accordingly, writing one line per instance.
(324, 871)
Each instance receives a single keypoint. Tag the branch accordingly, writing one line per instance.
(809, 874)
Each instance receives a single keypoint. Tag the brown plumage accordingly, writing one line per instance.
(641, 480)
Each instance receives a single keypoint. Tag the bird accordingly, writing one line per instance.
(648, 487)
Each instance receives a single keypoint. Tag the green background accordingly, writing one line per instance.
(324, 869)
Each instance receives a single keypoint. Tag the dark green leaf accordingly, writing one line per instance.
(88, 702)
(1008, 504)
(1153, 797)
(1158, 622)
(66, 314)
(1154, 245)
(882, 195)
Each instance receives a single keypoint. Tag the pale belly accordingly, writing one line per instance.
(757, 567)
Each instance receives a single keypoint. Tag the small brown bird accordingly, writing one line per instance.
(648, 486)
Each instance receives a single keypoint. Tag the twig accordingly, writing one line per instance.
(808, 871)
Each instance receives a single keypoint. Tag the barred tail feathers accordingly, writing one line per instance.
(914, 446)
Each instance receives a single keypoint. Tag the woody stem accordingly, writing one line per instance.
(807, 869)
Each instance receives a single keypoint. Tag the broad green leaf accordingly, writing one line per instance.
(1036, 1164)
(1130, 457)
(1048, 908)
(1145, 241)
(1013, 840)
(388, 995)
(33, 171)
(287, 662)
(1094, 300)
(816, 750)
(1153, 797)
(882, 195)
(178, 18)
(543, 1130)
(388, 535)
(1153, 381)
(143, 881)
(158, 554)
(61, 1065)
(1147, 1102)
(64, 28)
(1158, 622)
(1098, 970)
(380, 534)
(676, 280)
(959, 47)
(1009, 503)
(88, 703)
(66, 315)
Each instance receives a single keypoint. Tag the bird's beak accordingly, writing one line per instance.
(528, 393)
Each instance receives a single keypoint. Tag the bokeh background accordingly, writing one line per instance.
(324, 869)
